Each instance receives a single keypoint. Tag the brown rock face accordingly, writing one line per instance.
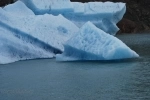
(138, 11)
(128, 26)
(5, 2)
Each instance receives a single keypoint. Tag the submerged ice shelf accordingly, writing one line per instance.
(50, 26)
(91, 43)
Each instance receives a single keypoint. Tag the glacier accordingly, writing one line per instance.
(91, 43)
(105, 15)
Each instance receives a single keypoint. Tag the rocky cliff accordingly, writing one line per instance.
(5, 2)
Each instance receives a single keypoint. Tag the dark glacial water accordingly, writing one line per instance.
(47, 79)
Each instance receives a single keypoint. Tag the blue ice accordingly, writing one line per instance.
(41, 29)
(91, 43)
(14, 48)
(48, 31)
(105, 15)
(19, 9)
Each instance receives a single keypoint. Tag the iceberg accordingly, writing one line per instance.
(61, 29)
(104, 15)
(91, 43)
(13, 48)
(46, 31)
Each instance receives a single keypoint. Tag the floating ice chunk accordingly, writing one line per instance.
(14, 48)
(92, 43)
(18, 8)
(47, 31)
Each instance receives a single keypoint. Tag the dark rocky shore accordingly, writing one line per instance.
(136, 19)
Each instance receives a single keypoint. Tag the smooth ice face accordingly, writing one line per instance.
(49, 6)
(91, 43)
(61, 6)
(78, 7)
(109, 10)
(18, 8)
(104, 15)
(46, 31)
(14, 48)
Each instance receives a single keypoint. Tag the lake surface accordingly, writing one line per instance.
(46, 79)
